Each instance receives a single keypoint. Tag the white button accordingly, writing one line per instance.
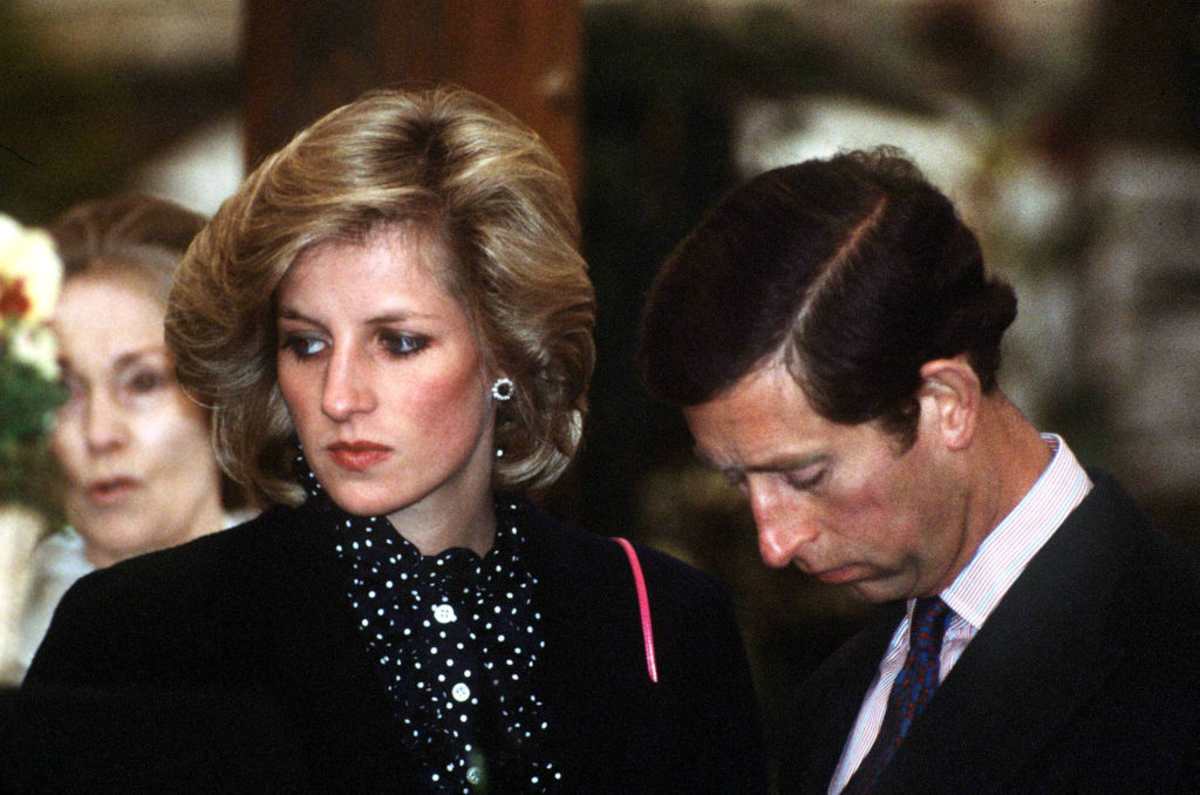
(474, 776)
(444, 614)
(460, 692)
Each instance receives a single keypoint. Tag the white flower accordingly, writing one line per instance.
(29, 267)
(37, 347)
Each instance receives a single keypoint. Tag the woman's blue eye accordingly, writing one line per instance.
(402, 344)
(304, 347)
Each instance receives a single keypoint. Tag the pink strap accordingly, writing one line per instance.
(643, 606)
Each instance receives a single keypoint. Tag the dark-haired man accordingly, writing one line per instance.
(833, 338)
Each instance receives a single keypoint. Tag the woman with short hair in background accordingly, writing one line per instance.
(140, 473)
(393, 325)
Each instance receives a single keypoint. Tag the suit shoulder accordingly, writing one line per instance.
(182, 569)
(601, 563)
(122, 618)
(682, 582)
(1156, 561)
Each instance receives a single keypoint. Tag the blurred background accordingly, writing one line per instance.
(1067, 131)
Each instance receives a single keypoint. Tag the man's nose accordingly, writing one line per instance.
(347, 389)
(784, 525)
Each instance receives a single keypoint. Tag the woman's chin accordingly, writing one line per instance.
(359, 502)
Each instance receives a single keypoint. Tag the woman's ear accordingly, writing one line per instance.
(951, 396)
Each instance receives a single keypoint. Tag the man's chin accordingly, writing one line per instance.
(879, 589)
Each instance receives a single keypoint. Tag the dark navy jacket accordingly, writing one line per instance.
(233, 662)
(1086, 678)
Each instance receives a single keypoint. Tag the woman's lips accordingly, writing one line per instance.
(358, 456)
(105, 493)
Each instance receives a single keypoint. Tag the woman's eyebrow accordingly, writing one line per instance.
(391, 316)
(133, 357)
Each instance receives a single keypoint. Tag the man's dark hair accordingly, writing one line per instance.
(856, 269)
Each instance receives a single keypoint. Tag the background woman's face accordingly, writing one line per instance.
(140, 471)
(384, 379)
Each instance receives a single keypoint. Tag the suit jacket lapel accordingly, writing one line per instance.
(1041, 654)
(821, 720)
(326, 681)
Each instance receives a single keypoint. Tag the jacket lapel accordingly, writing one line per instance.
(1042, 654)
(823, 716)
(325, 681)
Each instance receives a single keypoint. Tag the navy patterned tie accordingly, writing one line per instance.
(911, 691)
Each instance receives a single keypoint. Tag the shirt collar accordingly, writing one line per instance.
(1007, 550)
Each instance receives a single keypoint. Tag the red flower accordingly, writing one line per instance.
(13, 300)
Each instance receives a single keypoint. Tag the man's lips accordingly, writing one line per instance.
(110, 491)
(840, 574)
(358, 456)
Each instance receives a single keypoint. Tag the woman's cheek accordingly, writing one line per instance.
(67, 447)
(171, 431)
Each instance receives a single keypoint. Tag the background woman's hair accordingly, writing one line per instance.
(132, 236)
(143, 234)
(467, 176)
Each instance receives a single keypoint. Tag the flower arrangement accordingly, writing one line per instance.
(30, 389)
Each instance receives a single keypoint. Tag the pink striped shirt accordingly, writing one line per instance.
(977, 590)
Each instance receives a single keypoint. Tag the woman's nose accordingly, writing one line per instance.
(106, 426)
(347, 388)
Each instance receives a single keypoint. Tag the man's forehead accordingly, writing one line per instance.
(764, 421)
(761, 394)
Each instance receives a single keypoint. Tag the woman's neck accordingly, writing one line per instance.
(209, 517)
(432, 528)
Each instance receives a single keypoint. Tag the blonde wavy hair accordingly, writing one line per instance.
(467, 175)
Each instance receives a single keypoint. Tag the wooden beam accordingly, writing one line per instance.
(305, 58)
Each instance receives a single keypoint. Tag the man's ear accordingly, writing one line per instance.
(951, 396)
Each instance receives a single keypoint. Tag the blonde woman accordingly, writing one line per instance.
(393, 326)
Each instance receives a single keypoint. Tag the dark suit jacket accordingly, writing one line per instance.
(1086, 677)
(256, 615)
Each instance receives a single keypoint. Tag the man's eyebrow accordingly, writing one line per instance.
(782, 463)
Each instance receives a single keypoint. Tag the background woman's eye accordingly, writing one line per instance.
(76, 388)
(146, 381)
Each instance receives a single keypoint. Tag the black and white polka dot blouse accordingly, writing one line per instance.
(455, 640)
